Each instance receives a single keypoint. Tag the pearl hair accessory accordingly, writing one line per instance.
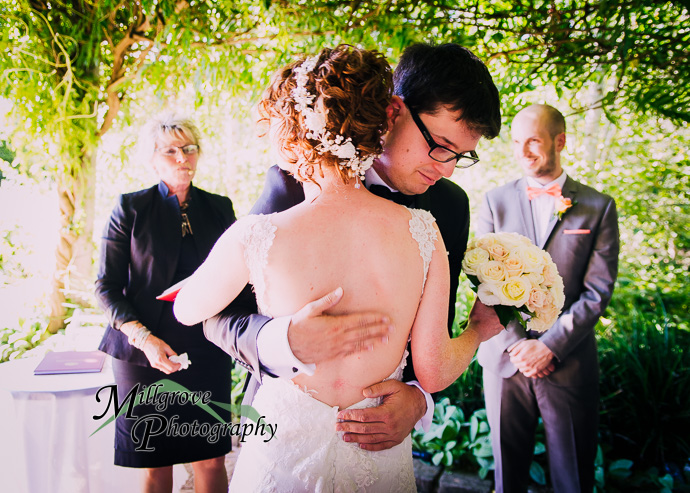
(315, 122)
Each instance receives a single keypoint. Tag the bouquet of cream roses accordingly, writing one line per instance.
(515, 277)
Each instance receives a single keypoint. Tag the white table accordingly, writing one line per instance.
(45, 423)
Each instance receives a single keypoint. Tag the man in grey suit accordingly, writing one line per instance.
(554, 374)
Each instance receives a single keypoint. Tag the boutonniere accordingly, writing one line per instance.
(562, 204)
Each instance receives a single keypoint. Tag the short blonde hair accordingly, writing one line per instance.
(352, 85)
(168, 124)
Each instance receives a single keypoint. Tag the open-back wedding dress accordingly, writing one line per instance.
(307, 454)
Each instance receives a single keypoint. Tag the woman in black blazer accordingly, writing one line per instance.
(155, 238)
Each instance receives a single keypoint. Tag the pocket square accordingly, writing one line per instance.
(576, 231)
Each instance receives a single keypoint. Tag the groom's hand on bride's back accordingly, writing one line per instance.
(382, 427)
(315, 336)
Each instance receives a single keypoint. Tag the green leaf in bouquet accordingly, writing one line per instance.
(507, 314)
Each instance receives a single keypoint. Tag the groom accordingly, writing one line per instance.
(444, 102)
(554, 374)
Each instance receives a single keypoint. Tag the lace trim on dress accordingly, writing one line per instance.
(422, 230)
(257, 239)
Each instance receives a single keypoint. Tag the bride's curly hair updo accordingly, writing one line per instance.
(352, 87)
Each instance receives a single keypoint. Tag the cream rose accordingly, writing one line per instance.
(558, 292)
(498, 252)
(550, 273)
(513, 241)
(538, 324)
(548, 314)
(532, 259)
(473, 259)
(535, 279)
(515, 292)
(546, 257)
(488, 293)
(537, 299)
(514, 265)
(485, 241)
(491, 271)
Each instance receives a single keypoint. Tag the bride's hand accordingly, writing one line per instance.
(484, 321)
(315, 337)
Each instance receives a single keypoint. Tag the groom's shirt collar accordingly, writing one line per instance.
(371, 177)
(543, 206)
(560, 181)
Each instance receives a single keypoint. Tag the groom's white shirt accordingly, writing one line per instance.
(543, 206)
(276, 355)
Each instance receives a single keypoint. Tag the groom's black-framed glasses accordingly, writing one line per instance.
(440, 153)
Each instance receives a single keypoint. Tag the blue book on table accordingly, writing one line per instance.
(57, 362)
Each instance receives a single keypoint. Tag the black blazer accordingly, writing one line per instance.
(236, 328)
(139, 253)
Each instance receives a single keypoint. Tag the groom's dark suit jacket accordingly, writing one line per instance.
(235, 329)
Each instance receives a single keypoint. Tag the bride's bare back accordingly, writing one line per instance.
(363, 244)
(346, 237)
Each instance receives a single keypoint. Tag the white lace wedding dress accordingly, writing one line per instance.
(307, 454)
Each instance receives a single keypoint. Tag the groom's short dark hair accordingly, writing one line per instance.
(429, 77)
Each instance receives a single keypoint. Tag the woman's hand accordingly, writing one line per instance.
(158, 352)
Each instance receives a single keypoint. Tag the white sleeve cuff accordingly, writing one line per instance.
(425, 423)
(274, 350)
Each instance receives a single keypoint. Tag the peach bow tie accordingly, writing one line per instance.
(554, 190)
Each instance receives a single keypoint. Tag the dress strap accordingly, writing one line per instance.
(422, 230)
(257, 238)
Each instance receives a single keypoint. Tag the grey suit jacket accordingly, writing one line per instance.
(584, 244)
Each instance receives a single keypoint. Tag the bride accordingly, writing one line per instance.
(326, 116)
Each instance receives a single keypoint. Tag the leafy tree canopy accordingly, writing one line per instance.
(70, 68)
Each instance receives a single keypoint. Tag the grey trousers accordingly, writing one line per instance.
(571, 420)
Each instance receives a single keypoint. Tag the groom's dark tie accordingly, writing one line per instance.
(397, 197)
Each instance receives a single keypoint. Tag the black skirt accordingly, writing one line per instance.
(171, 427)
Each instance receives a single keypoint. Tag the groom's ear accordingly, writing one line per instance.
(393, 110)
(559, 141)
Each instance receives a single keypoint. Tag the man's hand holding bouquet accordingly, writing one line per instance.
(516, 277)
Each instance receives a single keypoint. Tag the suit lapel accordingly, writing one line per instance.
(569, 191)
(204, 235)
(168, 228)
(549, 230)
(525, 211)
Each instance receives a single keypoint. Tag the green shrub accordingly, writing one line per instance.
(456, 442)
(645, 379)
(27, 334)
